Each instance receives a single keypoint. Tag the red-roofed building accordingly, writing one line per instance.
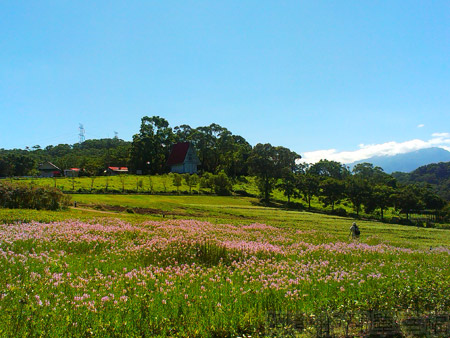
(183, 159)
(48, 169)
(117, 171)
(72, 172)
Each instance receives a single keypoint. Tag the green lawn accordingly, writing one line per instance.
(163, 185)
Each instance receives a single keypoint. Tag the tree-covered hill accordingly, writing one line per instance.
(92, 155)
(437, 175)
(217, 148)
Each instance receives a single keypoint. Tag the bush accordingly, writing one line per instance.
(405, 221)
(206, 181)
(339, 212)
(222, 184)
(20, 196)
(244, 193)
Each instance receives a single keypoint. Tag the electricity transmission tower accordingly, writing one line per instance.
(81, 133)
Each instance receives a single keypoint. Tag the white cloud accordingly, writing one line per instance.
(441, 140)
(420, 126)
(445, 135)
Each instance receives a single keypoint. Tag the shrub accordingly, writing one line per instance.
(22, 196)
(222, 184)
(177, 181)
(206, 181)
(243, 193)
(405, 221)
(339, 212)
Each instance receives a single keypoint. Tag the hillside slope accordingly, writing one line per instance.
(436, 174)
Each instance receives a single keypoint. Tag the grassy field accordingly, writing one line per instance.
(130, 183)
(163, 184)
(210, 266)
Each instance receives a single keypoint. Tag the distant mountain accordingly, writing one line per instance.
(409, 161)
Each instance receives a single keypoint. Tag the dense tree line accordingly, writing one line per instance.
(94, 156)
(435, 175)
(225, 156)
(217, 148)
(366, 187)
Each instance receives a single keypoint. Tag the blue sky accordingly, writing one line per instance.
(318, 77)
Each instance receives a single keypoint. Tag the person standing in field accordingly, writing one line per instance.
(354, 231)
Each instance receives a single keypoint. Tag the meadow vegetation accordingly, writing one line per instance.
(214, 266)
(208, 184)
(29, 196)
(224, 157)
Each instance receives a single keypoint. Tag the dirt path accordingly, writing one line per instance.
(98, 211)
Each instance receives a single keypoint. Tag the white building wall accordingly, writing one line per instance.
(189, 166)
(178, 168)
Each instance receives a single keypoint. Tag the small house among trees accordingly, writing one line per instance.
(72, 172)
(48, 169)
(183, 159)
(112, 171)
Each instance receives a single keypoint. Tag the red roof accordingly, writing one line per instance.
(75, 169)
(178, 153)
(118, 168)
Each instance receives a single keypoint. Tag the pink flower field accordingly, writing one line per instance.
(191, 278)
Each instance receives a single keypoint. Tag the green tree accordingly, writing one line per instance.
(407, 199)
(356, 189)
(288, 184)
(122, 179)
(206, 141)
(164, 182)
(139, 183)
(431, 200)
(17, 163)
(222, 184)
(380, 197)
(177, 180)
(235, 151)
(267, 163)
(206, 182)
(150, 184)
(373, 175)
(331, 191)
(183, 133)
(325, 168)
(191, 181)
(217, 148)
(92, 178)
(308, 185)
(150, 148)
